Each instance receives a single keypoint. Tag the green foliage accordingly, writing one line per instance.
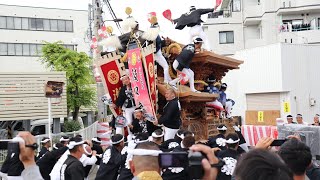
(70, 126)
(78, 72)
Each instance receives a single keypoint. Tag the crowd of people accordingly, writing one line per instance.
(226, 157)
(299, 120)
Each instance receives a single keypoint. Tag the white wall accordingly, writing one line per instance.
(290, 69)
(260, 72)
(300, 66)
(30, 64)
(225, 49)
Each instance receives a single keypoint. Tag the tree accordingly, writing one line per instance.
(79, 77)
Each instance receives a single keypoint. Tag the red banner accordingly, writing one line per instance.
(138, 83)
(112, 76)
(149, 66)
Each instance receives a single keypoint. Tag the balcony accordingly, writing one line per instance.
(305, 35)
(287, 7)
(297, 27)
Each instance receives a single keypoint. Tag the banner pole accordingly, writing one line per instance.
(49, 119)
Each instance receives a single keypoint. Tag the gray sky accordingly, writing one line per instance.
(140, 10)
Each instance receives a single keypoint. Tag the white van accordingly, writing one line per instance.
(41, 126)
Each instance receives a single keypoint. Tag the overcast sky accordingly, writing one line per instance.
(140, 10)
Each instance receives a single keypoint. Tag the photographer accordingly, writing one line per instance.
(31, 171)
(177, 173)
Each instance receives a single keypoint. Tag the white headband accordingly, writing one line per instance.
(45, 141)
(144, 152)
(224, 128)
(63, 139)
(126, 75)
(117, 142)
(72, 144)
(137, 141)
(231, 141)
(85, 150)
(138, 110)
(96, 140)
(55, 146)
(157, 136)
(181, 136)
(299, 115)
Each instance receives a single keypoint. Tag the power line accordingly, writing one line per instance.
(114, 17)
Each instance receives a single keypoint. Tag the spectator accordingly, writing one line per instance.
(27, 148)
(111, 159)
(316, 120)
(72, 168)
(46, 144)
(297, 156)
(171, 115)
(290, 119)
(261, 164)
(300, 120)
(180, 173)
(144, 164)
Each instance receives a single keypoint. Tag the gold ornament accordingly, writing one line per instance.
(113, 77)
(128, 11)
(153, 20)
(109, 29)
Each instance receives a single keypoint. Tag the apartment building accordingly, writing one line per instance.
(252, 23)
(25, 29)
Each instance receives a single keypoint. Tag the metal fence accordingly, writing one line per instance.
(86, 133)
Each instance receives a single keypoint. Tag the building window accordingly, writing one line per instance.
(54, 25)
(69, 26)
(10, 23)
(3, 49)
(46, 24)
(11, 50)
(36, 24)
(25, 23)
(18, 49)
(25, 49)
(226, 37)
(236, 5)
(17, 23)
(3, 22)
(39, 24)
(61, 25)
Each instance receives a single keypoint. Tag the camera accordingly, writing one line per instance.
(187, 160)
(11, 146)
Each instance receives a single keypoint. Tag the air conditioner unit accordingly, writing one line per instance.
(312, 102)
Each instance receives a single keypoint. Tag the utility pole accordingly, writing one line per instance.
(97, 22)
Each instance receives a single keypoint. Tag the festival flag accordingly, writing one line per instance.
(110, 68)
(148, 62)
(138, 83)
